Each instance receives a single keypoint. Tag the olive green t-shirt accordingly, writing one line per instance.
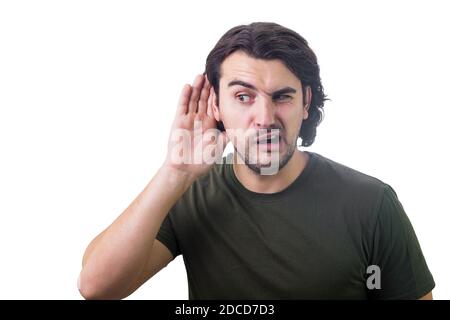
(313, 240)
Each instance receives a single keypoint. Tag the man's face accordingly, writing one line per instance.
(261, 105)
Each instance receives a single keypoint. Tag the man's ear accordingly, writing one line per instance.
(307, 102)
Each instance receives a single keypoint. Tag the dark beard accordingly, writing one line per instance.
(283, 162)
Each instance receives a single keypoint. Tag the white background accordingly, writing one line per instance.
(88, 91)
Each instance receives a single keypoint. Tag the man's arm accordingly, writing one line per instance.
(118, 257)
(405, 274)
(428, 296)
(126, 254)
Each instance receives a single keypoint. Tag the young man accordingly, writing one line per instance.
(272, 221)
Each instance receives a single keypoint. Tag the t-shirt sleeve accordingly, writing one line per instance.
(167, 236)
(396, 251)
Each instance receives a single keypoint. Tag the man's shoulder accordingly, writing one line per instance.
(347, 185)
(331, 171)
(357, 194)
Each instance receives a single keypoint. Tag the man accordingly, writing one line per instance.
(272, 221)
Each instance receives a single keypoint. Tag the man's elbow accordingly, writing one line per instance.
(88, 289)
(91, 290)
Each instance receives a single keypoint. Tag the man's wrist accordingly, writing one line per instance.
(176, 177)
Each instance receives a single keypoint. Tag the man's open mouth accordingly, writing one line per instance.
(269, 139)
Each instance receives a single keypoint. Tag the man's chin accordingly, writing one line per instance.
(268, 164)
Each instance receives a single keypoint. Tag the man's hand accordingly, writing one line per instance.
(126, 254)
(195, 143)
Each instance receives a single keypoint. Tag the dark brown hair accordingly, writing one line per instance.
(266, 40)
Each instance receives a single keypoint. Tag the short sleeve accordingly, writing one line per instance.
(396, 251)
(166, 235)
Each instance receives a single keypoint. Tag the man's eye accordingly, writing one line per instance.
(282, 97)
(243, 98)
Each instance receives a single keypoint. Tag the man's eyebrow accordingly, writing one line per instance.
(241, 83)
(283, 91)
(250, 86)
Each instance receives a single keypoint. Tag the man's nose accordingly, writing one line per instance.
(264, 114)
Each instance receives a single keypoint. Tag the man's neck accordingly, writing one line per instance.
(271, 183)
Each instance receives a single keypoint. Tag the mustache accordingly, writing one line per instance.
(267, 134)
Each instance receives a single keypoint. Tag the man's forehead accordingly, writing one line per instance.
(259, 72)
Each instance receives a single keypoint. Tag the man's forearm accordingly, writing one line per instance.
(120, 252)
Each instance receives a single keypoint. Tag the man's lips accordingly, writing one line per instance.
(269, 139)
(271, 144)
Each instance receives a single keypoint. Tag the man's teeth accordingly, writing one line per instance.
(273, 139)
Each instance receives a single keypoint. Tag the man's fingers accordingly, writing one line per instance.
(209, 110)
(203, 102)
(183, 102)
(196, 89)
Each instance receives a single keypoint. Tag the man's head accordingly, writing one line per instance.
(266, 77)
